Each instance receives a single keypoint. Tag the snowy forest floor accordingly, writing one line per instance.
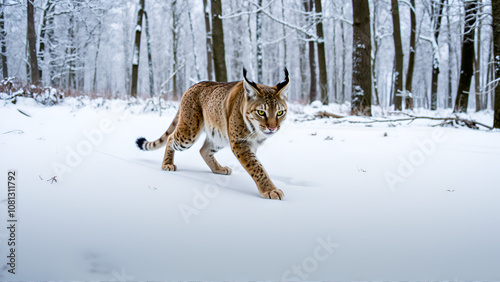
(382, 201)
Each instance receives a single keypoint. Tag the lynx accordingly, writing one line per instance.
(240, 114)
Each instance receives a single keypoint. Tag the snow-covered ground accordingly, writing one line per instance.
(384, 201)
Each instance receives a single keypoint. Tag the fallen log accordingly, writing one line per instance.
(445, 120)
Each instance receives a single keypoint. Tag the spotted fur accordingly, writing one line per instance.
(241, 115)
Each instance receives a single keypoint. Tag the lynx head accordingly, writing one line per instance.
(265, 108)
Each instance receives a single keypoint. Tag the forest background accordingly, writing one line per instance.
(431, 54)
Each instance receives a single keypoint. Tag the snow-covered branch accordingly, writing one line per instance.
(172, 75)
(239, 14)
(297, 28)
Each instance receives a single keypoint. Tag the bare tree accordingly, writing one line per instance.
(218, 42)
(308, 7)
(258, 35)
(70, 56)
(47, 14)
(175, 46)
(411, 61)
(31, 35)
(323, 77)
(191, 29)
(467, 68)
(3, 45)
(361, 59)
(477, 61)
(449, 100)
(398, 46)
(137, 49)
(344, 57)
(436, 15)
(150, 57)
(208, 29)
(99, 35)
(376, 48)
(284, 33)
(303, 71)
(496, 44)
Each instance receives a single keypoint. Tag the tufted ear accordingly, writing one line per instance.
(283, 86)
(251, 88)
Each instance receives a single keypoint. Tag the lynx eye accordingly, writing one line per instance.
(279, 113)
(261, 113)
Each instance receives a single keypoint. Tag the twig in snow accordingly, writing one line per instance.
(52, 180)
(23, 113)
(16, 131)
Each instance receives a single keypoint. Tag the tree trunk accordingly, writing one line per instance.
(3, 45)
(284, 33)
(308, 6)
(435, 53)
(35, 78)
(375, 53)
(391, 93)
(218, 42)
(361, 59)
(150, 57)
(490, 71)
(26, 62)
(344, 57)
(335, 94)
(55, 80)
(303, 71)
(450, 62)
(411, 61)
(496, 48)
(175, 47)
(323, 76)
(195, 57)
(258, 34)
(313, 95)
(47, 13)
(252, 45)
(477, 63)
(137, 49)
(467, 68)
(94, 83)
(71, 55)
(125, 24)
(398, 93)
(208, 29)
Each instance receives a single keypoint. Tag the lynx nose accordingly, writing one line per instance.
(272, 129)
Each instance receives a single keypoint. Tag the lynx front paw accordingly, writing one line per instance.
(275, 194)
(224, 171)
(169, 167)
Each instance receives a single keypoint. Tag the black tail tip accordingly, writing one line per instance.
(140, 142)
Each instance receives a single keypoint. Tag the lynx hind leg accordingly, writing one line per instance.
(168, 159)
(207, 152)
(187, 131)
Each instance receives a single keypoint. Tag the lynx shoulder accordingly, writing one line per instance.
(240, 114)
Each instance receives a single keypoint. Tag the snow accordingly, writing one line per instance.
(383, 201)
(135, 58)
